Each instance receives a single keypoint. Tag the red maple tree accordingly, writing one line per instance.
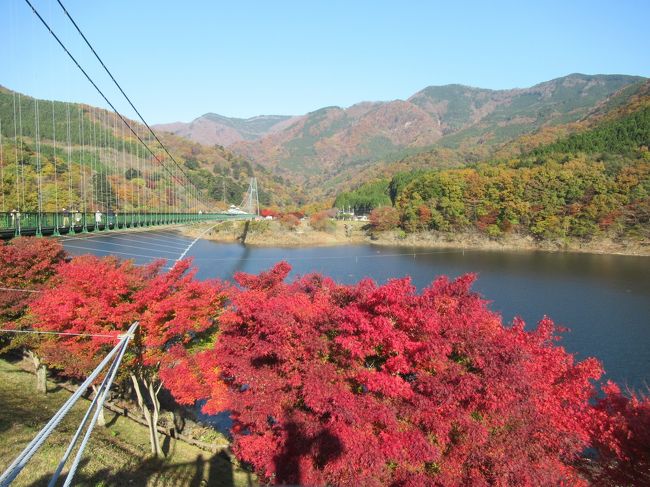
(289, 221)
(26, 264)
(621, 438)
(264, 212)
(379, 385)
(384, 218)
(103, 296)
(331, 384)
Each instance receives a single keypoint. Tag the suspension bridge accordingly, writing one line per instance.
(70, 168)
(70, 222)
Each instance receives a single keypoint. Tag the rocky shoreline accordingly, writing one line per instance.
(273, 234)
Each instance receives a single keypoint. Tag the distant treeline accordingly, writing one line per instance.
(588, 184)
(619, 136)
(575, 198)
(363, 199)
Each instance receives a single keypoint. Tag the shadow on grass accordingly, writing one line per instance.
(111, 421)
(168, 447)
(15, 410)
(215, 471)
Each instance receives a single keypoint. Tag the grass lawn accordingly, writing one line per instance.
(116, 455)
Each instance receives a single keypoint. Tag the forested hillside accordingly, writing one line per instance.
(86, 156)
(591, 183)
(439, 126)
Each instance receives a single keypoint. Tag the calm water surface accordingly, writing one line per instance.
(604, 300)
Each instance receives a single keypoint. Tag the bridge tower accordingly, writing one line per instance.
(251, 202)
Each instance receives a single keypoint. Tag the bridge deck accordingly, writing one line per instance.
(14, 224)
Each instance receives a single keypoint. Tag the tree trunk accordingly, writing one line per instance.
(150, 414)
(41, 373)
(101, 419)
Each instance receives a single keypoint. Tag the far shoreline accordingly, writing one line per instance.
(272, 234)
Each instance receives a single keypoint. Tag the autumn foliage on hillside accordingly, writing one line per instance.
(380, 385)
(594, 183)
(322, 221)
(384, 218)
(289, 221)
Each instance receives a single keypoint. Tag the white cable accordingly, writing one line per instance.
(40, 332)
(140, 248)
(98, 409)
(196, 240)
(19, 290)
(116, 252)
(74, 439)
(19, 463)
(130, 238)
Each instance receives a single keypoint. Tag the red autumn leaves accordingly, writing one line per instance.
(380, 385)
(331, 384)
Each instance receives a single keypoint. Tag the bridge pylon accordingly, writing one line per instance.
(251, 201)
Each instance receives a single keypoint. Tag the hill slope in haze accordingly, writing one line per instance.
(212, 128)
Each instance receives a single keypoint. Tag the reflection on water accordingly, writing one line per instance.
(603, 299)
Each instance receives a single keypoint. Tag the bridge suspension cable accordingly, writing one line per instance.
(123, 93)
(77, 151)
(2, 171)
(251, 199)
(56, 182)
(117, 113)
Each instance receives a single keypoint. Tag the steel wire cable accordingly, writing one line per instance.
(47, 26)
(123, 93)
(62, 333)
(80, 428)
(2, 171)
(21, 460)
(100, 405)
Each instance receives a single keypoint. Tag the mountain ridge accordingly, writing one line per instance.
(274, 123)
(215, 129)
(328, 142)
(325, 149)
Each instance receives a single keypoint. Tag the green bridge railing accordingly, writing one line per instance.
(14, 224)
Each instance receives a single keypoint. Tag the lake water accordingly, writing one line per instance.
(604, 300)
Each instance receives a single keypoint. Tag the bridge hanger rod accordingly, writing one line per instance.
(74, 60)
(121, 90)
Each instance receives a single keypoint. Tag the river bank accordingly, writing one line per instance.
(272, 234)
(268, 233)
(475, 241)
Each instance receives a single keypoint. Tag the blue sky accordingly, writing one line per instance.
(178, 60)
